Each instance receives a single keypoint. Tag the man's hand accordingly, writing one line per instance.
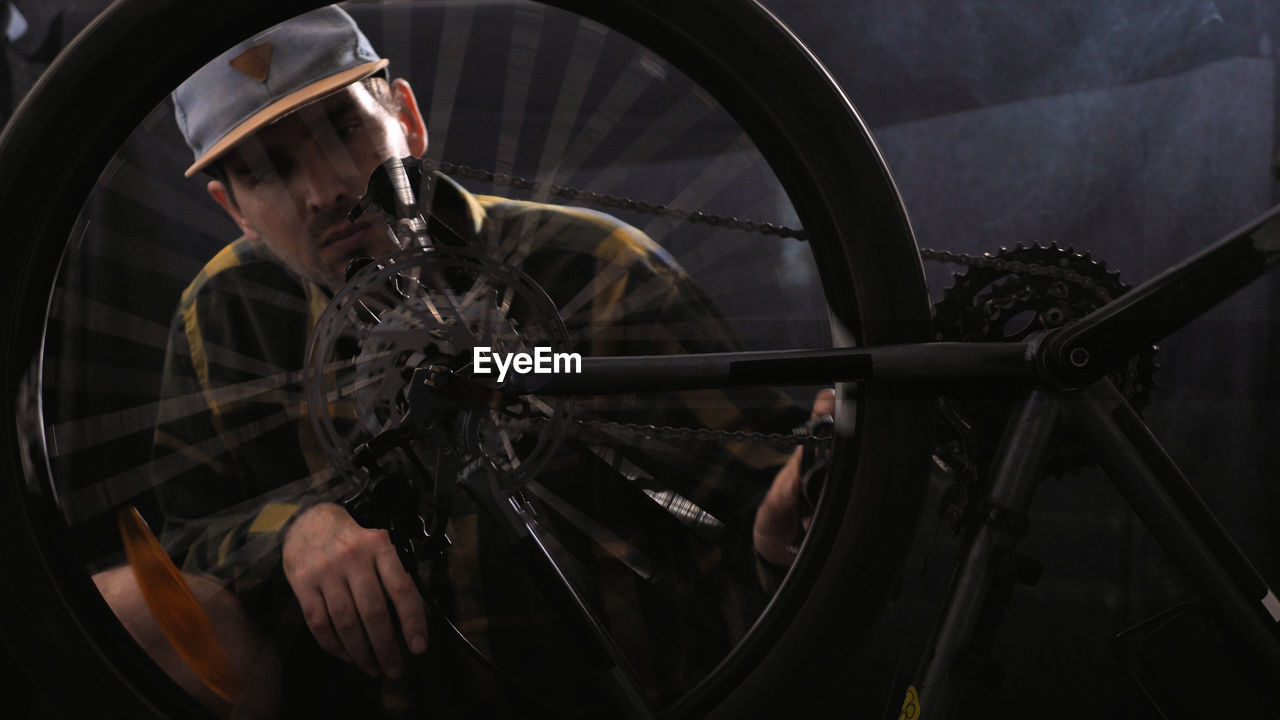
(778, 526)
(347, 579)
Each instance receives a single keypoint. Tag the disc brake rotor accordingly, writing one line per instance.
(429, 308)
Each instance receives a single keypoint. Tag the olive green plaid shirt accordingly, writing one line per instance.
(661, 529)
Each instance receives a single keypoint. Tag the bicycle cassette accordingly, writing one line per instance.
(1006, 297)
(391, 356)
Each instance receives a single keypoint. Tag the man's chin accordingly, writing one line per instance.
(352, 258)
(353, 265)
(339, 271)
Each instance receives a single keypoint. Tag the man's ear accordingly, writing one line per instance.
(410, 117)
(219, 192)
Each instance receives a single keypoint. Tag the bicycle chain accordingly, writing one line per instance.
(1016, 266)
(779, 441)
(764, 228)
(610, 201)
(784, 442)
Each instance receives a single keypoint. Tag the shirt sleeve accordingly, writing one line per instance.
(230, 469)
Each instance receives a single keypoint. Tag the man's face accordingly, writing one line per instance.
(295, 181)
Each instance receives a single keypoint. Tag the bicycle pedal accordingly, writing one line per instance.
(1188, 668)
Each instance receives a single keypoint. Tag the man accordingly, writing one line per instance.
(290, 125)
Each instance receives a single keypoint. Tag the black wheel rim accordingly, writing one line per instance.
(829, 183)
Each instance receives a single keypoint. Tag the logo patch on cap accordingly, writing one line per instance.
(254, 63)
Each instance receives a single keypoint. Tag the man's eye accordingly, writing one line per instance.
(348, 128)
(259, 177)
(278, 169)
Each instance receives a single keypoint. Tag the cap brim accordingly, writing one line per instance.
(282, 107)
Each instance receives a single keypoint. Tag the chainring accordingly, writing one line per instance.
(1007, 296)
(428, 308)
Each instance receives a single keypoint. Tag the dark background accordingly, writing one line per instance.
(1134, 129)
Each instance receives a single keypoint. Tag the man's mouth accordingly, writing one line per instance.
(345, 237)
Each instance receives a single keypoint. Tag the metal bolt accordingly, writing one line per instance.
(1078, 357)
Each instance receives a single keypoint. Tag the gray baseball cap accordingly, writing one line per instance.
(268, 76)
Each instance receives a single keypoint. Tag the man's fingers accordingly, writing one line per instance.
(346, 622)
(788, 479)
(778, 523)
(345, 586)
(405, 599)
(376, 619)
(778, 509)
(316, 614)
(825, 402)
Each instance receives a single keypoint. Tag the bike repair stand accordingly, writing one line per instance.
(984, 579)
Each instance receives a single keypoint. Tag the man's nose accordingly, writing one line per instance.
(328, 183)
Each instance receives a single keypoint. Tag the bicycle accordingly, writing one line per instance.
(863, 251)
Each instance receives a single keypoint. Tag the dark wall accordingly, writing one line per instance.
(50, 26)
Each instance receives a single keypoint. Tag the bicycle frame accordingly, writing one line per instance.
(1069, 357)
(1156, 490)
(1068, 364)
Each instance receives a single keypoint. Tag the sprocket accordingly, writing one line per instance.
(1007, 296)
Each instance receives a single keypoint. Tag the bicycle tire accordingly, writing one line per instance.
(52, 152)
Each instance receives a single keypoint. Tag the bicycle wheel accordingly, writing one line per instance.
(710, 104)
